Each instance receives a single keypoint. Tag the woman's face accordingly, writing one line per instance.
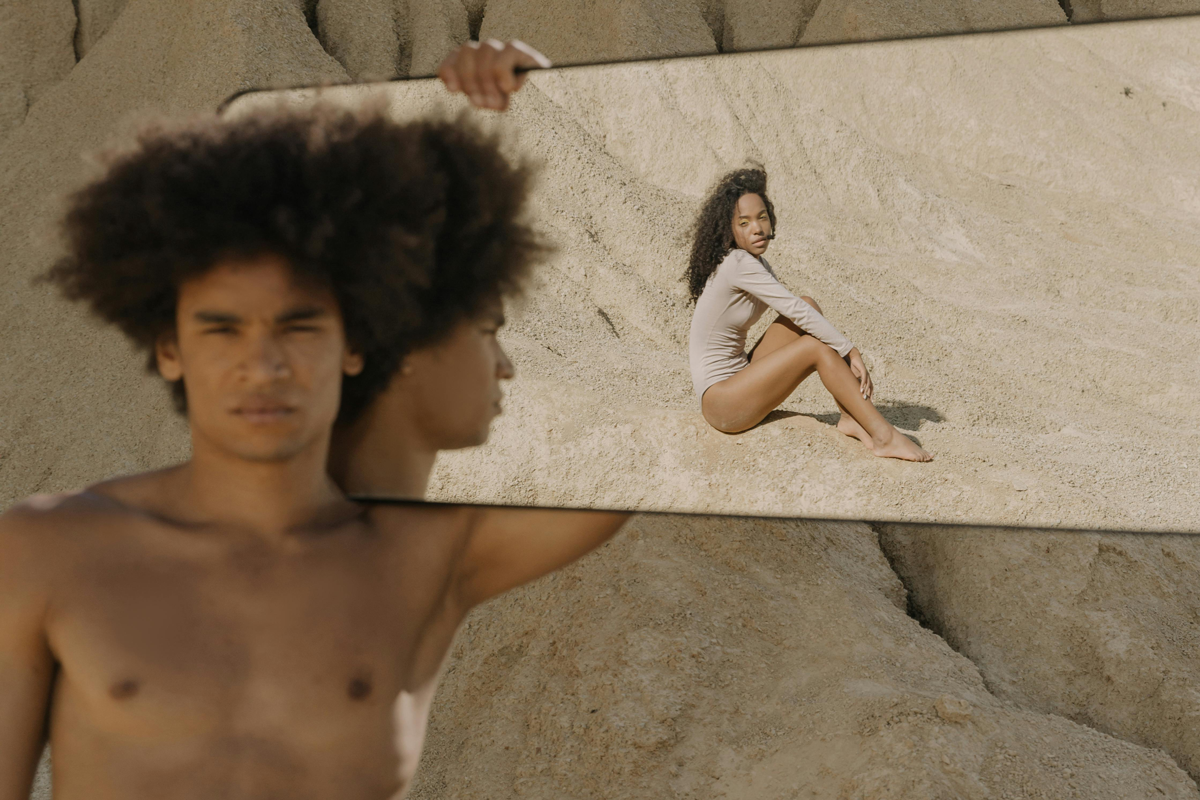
(751, 224)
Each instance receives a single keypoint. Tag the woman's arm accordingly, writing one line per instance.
(752, 277)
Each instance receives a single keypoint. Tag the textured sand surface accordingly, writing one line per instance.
(1102, 10)
(1116, 629)
(36, 51)
(865, 20)
(737, 657)
(708, 658)
(1005, 225)
(579, 31)
(94, 19)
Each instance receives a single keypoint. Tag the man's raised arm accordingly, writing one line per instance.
(26, 663)
(507, 547)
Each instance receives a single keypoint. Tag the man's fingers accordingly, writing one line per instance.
(503, 71)
(528, 57)
(487, 71)
(490, 66)
(468, 71)
(448, 72)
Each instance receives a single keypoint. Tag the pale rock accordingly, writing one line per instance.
(866, 20)
(583, 31)
(1097, 628)
(36, 52)
(95, 18)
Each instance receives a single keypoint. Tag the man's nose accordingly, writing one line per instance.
(266, 359)
(504, 368)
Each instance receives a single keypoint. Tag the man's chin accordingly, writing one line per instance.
(473, 439)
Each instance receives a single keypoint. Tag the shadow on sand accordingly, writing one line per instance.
(906, 416)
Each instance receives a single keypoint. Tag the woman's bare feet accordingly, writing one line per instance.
(897, 444)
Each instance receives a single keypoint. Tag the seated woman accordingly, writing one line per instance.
(732, 285)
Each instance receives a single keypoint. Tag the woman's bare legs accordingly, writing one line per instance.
(783, 358)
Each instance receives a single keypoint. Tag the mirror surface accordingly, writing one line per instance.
(1005, 225)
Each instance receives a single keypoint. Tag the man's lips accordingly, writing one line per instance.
(263, 412)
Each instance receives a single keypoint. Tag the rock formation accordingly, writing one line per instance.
(582, 31)
(867, 20)
(36, 51)
(95, 17)
(1114, 636)
(716, 657)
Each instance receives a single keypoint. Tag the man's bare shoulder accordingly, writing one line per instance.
(51, 520)
(33, 536)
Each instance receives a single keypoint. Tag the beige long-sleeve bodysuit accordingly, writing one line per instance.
(739, 291)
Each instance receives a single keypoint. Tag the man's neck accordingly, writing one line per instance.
(274, 497)
(380, 456)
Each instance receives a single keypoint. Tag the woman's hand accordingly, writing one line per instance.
(859, 369)
(486, 72)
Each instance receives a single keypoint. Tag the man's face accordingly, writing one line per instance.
(262, 358)
(454, 386)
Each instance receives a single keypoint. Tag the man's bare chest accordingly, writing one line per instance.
(206, 639)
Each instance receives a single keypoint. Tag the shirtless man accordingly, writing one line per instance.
(235, 626)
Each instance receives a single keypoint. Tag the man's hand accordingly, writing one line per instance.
(486, 71)
(859, 369)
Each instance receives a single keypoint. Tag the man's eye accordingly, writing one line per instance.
(303, 328)
(221, 329)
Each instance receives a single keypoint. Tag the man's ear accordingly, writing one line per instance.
(352, 362)
(166, 356)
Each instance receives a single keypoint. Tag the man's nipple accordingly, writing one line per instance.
(359, 688)
(123, 690)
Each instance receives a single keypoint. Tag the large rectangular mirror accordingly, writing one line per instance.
(1004, 224)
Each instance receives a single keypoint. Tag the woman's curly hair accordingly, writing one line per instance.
(712, 233)
(413, 226)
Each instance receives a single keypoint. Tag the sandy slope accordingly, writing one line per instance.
(1006, 226)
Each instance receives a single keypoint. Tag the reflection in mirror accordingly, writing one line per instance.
(1004, 225)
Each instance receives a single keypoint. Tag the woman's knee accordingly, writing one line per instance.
(824, 353)
(725, 423)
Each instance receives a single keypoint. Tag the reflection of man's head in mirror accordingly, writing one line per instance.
(263, 262)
